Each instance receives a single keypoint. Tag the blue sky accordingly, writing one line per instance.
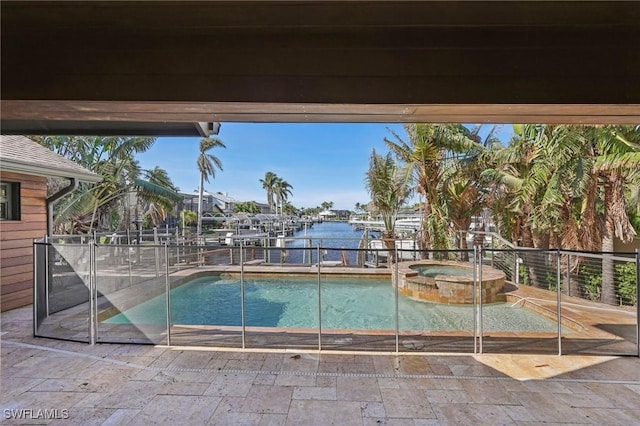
(323, 162)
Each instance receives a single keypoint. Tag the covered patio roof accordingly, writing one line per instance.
(175, 67)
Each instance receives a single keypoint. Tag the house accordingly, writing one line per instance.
(26, 211)
(264, 208)
(224, 202)
(212, 203)
(209, 205)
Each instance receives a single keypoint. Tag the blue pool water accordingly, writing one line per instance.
(351, 303)
(433, 270)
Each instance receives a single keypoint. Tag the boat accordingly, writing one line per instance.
(376, 252)
(405, 224)
(407, 248)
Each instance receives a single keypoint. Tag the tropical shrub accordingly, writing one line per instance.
(626, 283)
(591, 278)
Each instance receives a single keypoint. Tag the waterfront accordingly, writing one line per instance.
(336, 239)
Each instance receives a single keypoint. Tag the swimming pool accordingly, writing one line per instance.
(433, 270)
(346, 303)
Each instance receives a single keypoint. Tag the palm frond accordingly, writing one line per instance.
(152, 189)
(621, 161)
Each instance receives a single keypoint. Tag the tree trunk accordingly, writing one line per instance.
(464, 256)
(425, 236)
(200, 190)
(591, 226)
(533, 260)
(608, 293)
(390, 243)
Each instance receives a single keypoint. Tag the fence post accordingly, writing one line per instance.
(397, 289)
(493, 251)
(319, 304)
(514, 270)
(638, 299)
(178, 239)
(568, 274)
(48, 271)
(480, 298)
(36, 284)
(92, 292)
(268, 251)
(559, 299)
(304, 251)
(155, 244)
(242, 306)
(475, 299)
(129, 257)
(168, 290)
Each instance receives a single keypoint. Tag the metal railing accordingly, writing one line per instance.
(130, 293)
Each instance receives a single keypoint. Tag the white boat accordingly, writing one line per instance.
(401, 225)
(407, 249)
(231, 238)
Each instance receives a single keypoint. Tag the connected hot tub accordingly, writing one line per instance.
(450, 282)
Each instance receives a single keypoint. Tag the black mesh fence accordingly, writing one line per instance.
(296, 293)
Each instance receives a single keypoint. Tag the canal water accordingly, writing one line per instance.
(335, 240)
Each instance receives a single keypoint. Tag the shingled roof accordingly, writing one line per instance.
(22, 155)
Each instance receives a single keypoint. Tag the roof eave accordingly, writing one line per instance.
(17, 167)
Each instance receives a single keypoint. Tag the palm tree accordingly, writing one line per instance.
(389, 191)
(248, 207)
(269, 184)
(429, 151)
(519, 178)
(567, 163)
(519, 175)
(463, 190)
(463, 200)
(617, 161)
(100, 205)
(207, 165)
(583, 205)
(282, 190)
(158, 194)
(288, 208)
(566, 184)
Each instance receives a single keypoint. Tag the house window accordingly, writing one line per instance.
(9, 201)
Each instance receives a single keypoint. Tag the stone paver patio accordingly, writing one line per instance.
(111, 384)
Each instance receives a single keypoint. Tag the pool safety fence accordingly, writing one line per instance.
(591, 298)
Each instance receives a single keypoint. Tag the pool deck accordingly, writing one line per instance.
(516, 381)
(115, 384)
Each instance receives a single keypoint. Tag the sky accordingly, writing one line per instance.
(323, 162)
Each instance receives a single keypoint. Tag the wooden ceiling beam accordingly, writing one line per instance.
(204, 61)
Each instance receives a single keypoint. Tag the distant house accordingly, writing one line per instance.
(264, 208)
(212, 203)
(217, 202)
(224, 202)
(342, 214)
(26, 213)
(190, 202)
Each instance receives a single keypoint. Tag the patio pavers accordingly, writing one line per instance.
(126, 384)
